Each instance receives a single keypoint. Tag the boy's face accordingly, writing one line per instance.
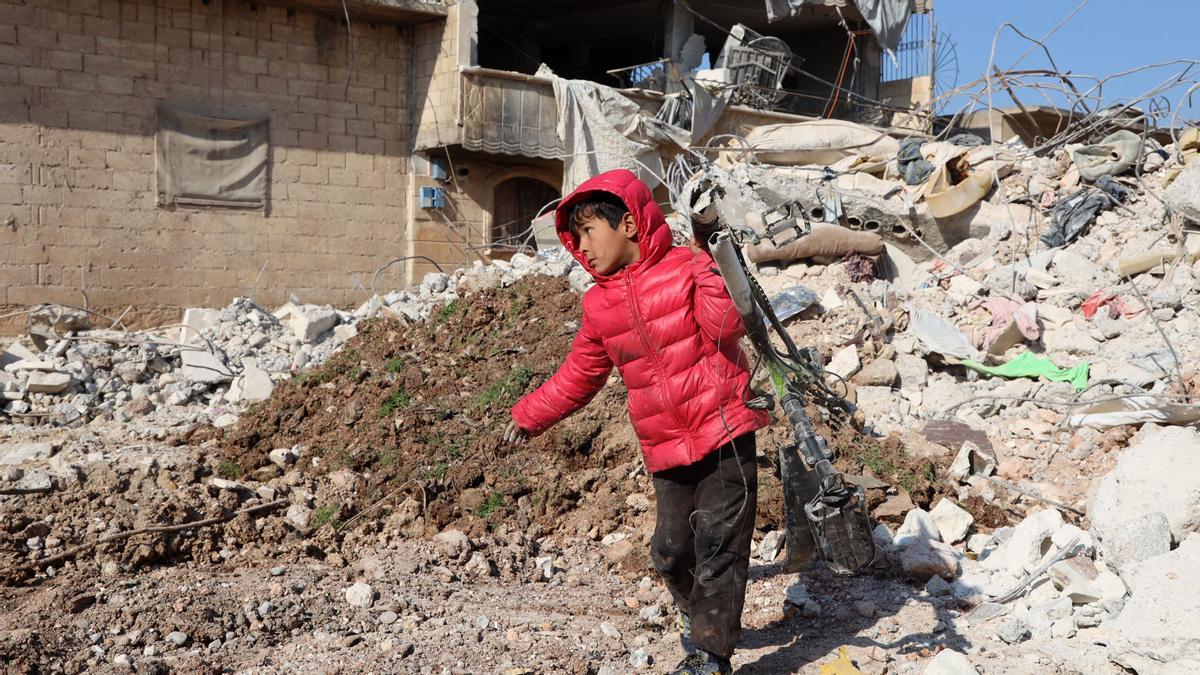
(606, 248)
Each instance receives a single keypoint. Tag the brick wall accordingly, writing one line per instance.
(79, 83)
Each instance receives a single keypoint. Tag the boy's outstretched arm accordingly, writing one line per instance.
(714, 310)
(577, 381)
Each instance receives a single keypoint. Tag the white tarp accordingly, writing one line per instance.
(603, 130)
(210, 161)
(886, 17)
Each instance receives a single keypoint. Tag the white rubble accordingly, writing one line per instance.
(953, 521)
(949, 662)
(1160, 474)
(1158, 631)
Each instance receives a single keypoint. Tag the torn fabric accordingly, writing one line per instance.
(938, 335)
(210, 161)
(603, 130)
(1070, 216)
(1111, 156)
(1135, 410)
(1007, 311)
(887, 18)
(1028, 365)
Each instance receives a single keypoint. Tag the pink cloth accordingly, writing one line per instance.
(1004, 311)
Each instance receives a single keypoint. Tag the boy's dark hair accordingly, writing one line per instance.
(597, 205)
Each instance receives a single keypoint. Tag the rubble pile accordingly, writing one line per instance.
(223, 359)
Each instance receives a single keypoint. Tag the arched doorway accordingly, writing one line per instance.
(515, 203)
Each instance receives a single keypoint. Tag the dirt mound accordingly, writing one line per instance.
(420, 410)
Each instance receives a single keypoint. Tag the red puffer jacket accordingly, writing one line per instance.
(668, 324)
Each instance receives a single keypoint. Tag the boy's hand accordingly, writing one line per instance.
(514, 435)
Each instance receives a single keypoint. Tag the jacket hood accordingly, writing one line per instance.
(654, 236)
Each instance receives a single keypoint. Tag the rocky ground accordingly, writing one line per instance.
(309, 489)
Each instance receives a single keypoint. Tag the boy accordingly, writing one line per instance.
(661, 314)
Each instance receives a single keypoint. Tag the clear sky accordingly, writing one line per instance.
(1103, 38)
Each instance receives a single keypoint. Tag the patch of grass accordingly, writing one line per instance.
(326, 515)
(489, 505)
(437, 472)
(503, 393)
(884, 467)
(520, 303)
(342, 459)
(448, 312)
(229, 469)
(398, 400)
(388, 458)
(320, 376)
(394, 366)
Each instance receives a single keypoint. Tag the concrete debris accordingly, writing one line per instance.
(1030, 540)
(953, 521)
(772, 542)
(1158, 631)
(1158, 475)
(949, 662)
(959, 273)
(360, 595)
(224, 360)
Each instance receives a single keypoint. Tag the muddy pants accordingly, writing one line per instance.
(701, 542)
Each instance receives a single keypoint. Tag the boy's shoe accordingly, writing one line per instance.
(684, 625)
(701, 662)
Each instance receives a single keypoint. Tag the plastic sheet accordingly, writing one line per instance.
(791, 301)
(1028, 365)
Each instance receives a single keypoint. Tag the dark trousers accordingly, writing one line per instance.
(701, 543)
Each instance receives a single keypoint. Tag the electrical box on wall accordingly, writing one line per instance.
(433, 198)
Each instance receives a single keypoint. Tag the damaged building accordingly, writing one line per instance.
(182, 152)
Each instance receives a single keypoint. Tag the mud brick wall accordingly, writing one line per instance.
(79, 84)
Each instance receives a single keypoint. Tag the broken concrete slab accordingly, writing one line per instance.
(47, 383)
(1030, 540)
(308, 322)
(30, 366)
(52, 322)
(203, 366)
(913, 371)
(34, 481)
(195, 320)
(21, 453)
(845, 362)
(953, 521)
(1137, 539)
(877, 373)
(254, 384)
(971, 461)
(1161, 473)
(1158, 630)
(16, 352)
(1183, 195)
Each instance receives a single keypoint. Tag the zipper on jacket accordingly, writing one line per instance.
(666, 395)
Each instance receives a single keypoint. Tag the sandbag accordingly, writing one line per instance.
(1111, 156)
(819, 142)
(824, 240)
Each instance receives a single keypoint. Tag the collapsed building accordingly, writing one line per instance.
(161, 155)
